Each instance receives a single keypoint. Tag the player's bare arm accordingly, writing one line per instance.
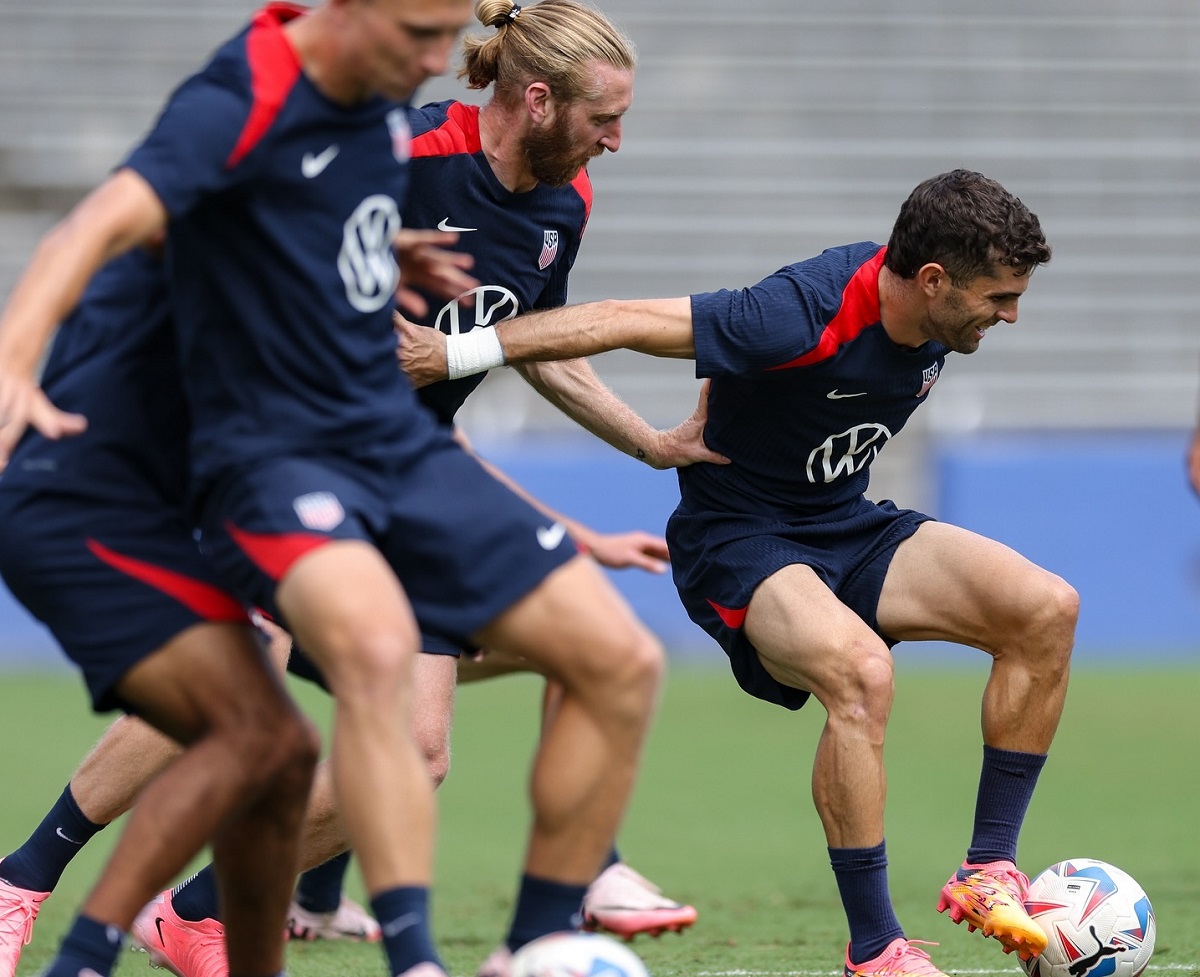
(658, 327)
(574, 388)
(119, 214)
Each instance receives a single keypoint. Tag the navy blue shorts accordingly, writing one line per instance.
(112, 582)
(464, 547)
(719, 559)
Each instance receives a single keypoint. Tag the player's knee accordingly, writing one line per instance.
(437, 762)
(370, 664)
(1051, 626)
(281, 746)
(863, 692)
(635, 664)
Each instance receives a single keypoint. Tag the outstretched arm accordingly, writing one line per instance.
(658, 327)
(574, 388)
(120, 213)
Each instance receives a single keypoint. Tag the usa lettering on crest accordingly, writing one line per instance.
(319, 511)
(549, 249)
(929, 376)
(397, 122)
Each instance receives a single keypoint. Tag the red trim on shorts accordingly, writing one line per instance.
(459, 133)
(733, 617)
(274, 553)
(274, 68)
(207, 601)
(859, 309)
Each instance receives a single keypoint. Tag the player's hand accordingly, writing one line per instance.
(1193, 462)
(426, 262)
(620, 551)
(22, 404)
(684, 444)
(421, 351)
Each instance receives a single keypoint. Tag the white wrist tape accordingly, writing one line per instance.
(473, 352)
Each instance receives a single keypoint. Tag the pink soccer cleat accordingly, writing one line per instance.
(18, 910)
(901, 958)
(991, 898)
(624, 902)
(348, 922)
(185, 948)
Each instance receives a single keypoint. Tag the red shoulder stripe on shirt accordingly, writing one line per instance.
(458, 134)
(859, 309)
(274, 68)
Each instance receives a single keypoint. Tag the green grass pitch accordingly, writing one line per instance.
(723, 817)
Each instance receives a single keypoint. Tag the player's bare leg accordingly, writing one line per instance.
(950, 584)
(241, 782)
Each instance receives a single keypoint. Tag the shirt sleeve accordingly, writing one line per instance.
(187, 154)
(748, 330)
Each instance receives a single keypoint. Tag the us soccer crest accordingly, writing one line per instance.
(549, 249)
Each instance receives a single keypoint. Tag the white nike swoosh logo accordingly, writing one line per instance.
(394, 927)
(834, 395)
(311, 165)
(549, 537)
(445, 225)
(65, 837)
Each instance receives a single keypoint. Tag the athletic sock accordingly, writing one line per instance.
(614, 857)
(544, 907)
(196, 899)
(39, 863)
(1006, 785)
(861, 875)
(88, 945)
(403, 915)
(320, 889)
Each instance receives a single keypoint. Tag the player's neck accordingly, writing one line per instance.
(500, 139)
(322, 58)
(901, 312)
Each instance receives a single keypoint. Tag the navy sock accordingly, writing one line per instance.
(196, 899)
(320, 889)
(87, 945)
(39, 863)
(403, 915)
(544, 907)
(1006, 786)
(614, 857)
(862, 881)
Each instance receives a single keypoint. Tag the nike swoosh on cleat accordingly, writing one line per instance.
(158, 921)
(445, 225)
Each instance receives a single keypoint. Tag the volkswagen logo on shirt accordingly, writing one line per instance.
(490, 304)
(846, 453)
(366, 262)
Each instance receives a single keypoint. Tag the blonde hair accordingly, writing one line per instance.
(553, 41)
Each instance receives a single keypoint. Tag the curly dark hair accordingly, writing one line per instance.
(968, 224)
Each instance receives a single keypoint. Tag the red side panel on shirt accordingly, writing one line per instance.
(202, 598)
(859, 309)
(458, 134)
(274, 68)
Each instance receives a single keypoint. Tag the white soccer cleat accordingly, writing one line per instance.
(626, 903)
(348, 922)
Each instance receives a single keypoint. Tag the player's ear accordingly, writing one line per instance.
(539, 101)
(932, 279)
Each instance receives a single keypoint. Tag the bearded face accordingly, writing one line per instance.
(557, 151)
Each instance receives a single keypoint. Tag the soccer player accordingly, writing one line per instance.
(91, 544)
(317, 480)
(804, 583)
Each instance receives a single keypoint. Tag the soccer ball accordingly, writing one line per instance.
(576, 955)
(1098, 921)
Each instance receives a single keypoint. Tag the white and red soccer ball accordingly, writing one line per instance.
(1097, 919)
